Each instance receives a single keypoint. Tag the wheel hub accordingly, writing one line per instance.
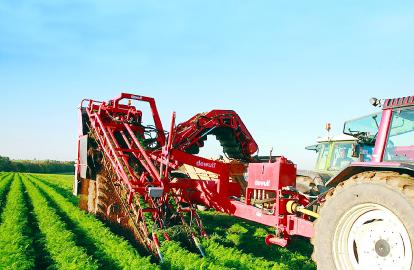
(382, 248)
(369, 236)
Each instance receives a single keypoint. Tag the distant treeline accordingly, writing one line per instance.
(36, 166)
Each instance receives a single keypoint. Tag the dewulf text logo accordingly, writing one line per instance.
(259, 183)
(211, 165)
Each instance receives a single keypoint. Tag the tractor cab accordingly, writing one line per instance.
(337, 152)
(397, 140)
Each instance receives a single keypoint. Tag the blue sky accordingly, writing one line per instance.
(287, 67)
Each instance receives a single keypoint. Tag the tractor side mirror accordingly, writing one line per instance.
(315, 147)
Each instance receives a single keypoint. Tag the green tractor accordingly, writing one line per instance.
(334, 153)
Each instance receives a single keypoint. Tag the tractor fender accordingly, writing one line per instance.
(359, 167)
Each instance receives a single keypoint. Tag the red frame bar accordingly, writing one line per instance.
(154, 110)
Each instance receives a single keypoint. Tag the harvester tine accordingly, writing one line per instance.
(157, 246)
(198, 245)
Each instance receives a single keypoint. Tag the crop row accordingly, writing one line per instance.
(59, 241)
(62, 184)
(16, 246)
(232, 244)
(177, 257)
(61, 181)
(36, 232)
(4, 185)
(174, 254)
(232, 257)
(106, 244)
(246, 238)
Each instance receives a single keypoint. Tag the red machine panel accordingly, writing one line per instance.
(271, 176)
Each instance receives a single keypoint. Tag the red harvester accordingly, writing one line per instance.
(132, 174)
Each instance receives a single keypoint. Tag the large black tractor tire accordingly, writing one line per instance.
(367, 223)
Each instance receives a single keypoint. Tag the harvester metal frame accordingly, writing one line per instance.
(143, 173)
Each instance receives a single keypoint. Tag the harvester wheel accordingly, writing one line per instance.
(107, 203)
(109, 207)
(101, 200)
(367, 223)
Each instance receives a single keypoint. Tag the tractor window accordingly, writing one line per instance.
(366, 151)
(364, 128)
(323, 155)
(341, 156)
(400, 144)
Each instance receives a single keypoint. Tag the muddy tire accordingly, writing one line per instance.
(310, 184)
(367, 223)
(102, 192)
(92, 197)
(305, 184)
(83, 194)
(107, 203)
(102, 199)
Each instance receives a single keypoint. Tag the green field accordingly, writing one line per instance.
(41, 227)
